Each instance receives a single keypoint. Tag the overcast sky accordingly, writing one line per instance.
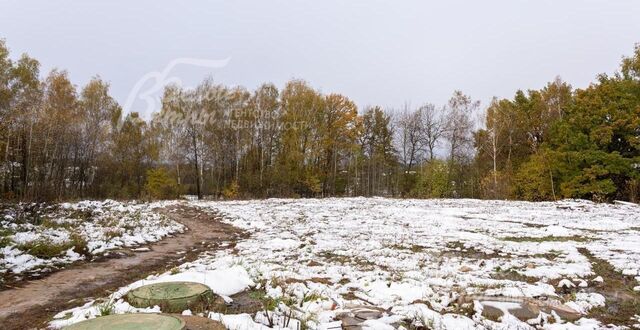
(376, 52)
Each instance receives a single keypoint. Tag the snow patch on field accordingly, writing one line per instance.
(100, 225)
(414, 259)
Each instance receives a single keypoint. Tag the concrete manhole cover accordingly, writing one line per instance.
(130, 322)
(173, 297)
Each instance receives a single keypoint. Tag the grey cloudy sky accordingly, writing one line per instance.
(376, 52)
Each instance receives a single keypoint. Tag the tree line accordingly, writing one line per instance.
(62, 142)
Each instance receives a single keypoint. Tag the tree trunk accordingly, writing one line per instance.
(6, 163)
(195, 156)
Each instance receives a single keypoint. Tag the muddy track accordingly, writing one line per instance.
(622, 301)
(33, 304)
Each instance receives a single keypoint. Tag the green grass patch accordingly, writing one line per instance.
(81, 214)
(53, 224)
(46, 249)
(311, 296)
(574, 238)
(107, 308)
(5, 240)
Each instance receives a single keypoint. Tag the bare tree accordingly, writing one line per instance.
(433, 127)
(459, 125)
(410, 132)
(459, 133)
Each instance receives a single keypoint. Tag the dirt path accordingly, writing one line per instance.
(32, 305)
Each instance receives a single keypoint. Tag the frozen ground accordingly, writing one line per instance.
(440, 264)
(38, 238)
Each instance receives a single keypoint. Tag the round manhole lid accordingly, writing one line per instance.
(130, 322)
(169, 290)
(173, 297)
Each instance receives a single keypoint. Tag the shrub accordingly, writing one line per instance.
(231, 191)
(160, 185)
(107, 308)
(433, 181)
(533, 181)
(311, 185)
(79, 244)
(495, 185)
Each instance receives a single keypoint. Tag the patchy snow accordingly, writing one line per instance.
(101, 225)
(585, 301)
(224, 281)
(414, 259)
(281, 244)
(240, 321)
(565, 283)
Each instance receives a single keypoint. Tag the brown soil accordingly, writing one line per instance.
(243, 302)
(622, 303)
(200, 323)
(32, 305)
(458, 249)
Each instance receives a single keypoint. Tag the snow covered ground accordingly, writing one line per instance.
(416, 260)
(38, 238)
